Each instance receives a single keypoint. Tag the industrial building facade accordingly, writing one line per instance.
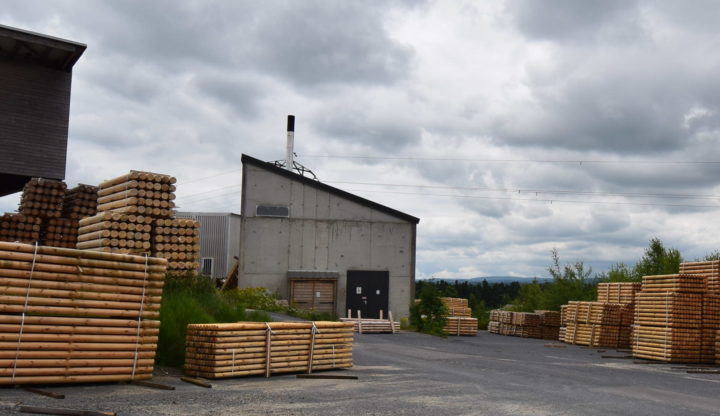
(219, 241)
(36, 74)
(321, 247)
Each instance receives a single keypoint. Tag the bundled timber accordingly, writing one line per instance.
(139, 193)
(21, 228)
(549, 318)
(43, 198)
(80, 202)
(620, 292)
(70, 316)
(593, 335)
(526, 319)
(561, 334)
(461, 325)
(519, 324)
(116, 232)
(457, 306)
(550, 332)
(494, 327)
(674, 283)
(258, 348)
(709, 270)
(178, 241)
(60, 232)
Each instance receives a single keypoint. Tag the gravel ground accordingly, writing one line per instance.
(414, 374)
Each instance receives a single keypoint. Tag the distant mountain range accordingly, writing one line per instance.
(499, 279)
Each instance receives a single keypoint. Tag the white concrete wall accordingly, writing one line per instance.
(324, 232)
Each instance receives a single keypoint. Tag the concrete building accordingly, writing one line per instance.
(35, 80)
(219, 241)
(321, 247)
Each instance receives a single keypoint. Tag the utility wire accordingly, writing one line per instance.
(571, 161)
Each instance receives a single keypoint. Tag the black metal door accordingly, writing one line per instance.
(367, 291)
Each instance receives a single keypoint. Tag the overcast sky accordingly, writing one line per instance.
(589, 126)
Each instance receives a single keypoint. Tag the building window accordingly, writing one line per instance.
(207, 266)
(272, 211)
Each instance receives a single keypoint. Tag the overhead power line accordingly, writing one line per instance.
(564, 161)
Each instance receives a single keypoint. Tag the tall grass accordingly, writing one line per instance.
(193, 300)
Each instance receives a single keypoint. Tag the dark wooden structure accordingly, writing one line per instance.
(316, 291)
(35, 81)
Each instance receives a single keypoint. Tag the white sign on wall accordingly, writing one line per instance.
(358, 290)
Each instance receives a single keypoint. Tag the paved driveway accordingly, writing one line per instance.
(414, 374)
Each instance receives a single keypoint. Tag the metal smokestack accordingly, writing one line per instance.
(290, 142)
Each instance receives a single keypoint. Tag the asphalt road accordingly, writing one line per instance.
(414, 374)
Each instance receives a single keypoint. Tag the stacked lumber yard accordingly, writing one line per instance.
(459, 322)
(71, 316)
(259, 348)
(606, 322)
(538, 324)
(676, 318)
(135, 214)
(19, 227)
(371, 325)
(80, 202)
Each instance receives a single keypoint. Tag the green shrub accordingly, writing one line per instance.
(254, 298)
(311, 315)
(193, 300)
(430, 314)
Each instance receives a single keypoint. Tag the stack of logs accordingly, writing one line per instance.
(606, 322)
(178, 241)
(48, 213)
(43, 198)
(136, 215)
(676, 319)
(597, 324)
(116, 233)
(539, 324)
(60, 232)
(72, 316)
(258, 348)
(372, 326)
(80, 202)
(21, 228)
(459, 321)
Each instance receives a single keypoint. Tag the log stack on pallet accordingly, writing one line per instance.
(549, 324)
(372, 326)
(135, 214)
(258, 348)
(80, 202)
(71, 316)
(676, 319)
(20, 228)
(459, 321)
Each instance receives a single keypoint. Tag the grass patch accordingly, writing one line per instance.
(194, 300)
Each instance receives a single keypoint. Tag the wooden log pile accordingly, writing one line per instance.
(115, 232)
(593, 335)
(676, 319)
(59, 232)
(139, 193)
(597, 324)
(549, 324)
(80, 202)
(371, 325)
(69, 316)
(42, 198)
(709, 270)
(461, 326)
(518, 324)
(618, 292)
(457, 306)
(459, 321)
(258, 348)
(178, 241)
(21, 228)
